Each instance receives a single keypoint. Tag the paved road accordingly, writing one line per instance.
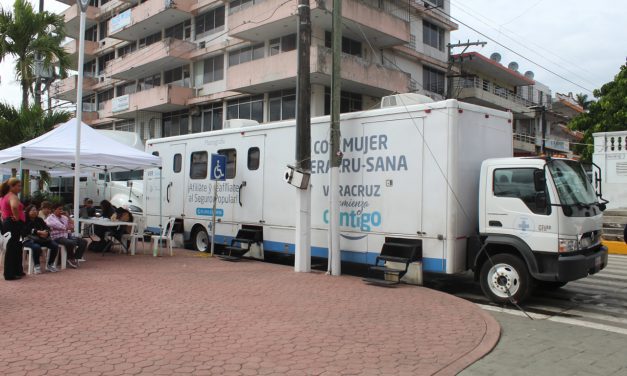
(599, 301)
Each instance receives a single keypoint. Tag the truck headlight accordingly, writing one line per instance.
(567, 245)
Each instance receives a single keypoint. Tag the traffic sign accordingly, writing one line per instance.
(218, 167)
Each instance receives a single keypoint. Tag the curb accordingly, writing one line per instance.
(488, 342)
(615, 248)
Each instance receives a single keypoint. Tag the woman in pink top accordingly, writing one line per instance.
(13, 219)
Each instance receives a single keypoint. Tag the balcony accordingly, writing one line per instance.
(164, 98)
(160, 56)
(72, 19)
(485, 93)
(524, 144)
(148, 18)
(274, 18)
(72, 50)
(279, 71)
(66, 88)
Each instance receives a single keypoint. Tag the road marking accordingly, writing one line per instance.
(562, 320)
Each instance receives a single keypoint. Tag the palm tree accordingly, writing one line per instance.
(582, 100)
(24, 35)
(17, 126)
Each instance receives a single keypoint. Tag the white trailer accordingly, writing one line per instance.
(408, 172)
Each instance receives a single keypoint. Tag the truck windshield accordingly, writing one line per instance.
(572, 183)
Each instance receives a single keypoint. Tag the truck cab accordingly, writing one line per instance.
(540, 223)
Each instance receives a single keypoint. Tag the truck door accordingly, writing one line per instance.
(174, 169)
(248, 178)
(512, 208)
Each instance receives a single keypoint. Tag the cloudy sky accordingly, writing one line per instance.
(571, 46)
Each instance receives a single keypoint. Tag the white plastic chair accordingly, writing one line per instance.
(27, 253)
(166, 235)
(138, 234)
(4, 239)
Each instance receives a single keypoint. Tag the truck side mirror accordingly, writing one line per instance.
(539, 181)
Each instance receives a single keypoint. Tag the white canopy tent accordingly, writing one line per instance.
(56, 151)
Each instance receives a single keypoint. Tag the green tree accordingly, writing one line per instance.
(607, 114)
(17, 126)
(24, 35)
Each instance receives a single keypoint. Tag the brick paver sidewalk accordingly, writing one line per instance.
(194, 315)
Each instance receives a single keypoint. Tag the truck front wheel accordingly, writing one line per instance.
(504, 276)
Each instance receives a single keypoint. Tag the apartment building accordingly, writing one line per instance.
(539, 122)
(164, 68)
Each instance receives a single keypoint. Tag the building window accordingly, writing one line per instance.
(103, 60)
(175, 123)
(182, 31)
(125, 126)
(124, 89)
(283, 44)
(237, 5)
(91, 33)
(433, 35)
(211, 119)
(177, 163)
(177, 76)
(210, 22)
(89, 69)
(435, 3)
(246, 54)
(213, 69)
(349, 46)
(231, 161)
(254, 155)
(198, 165)
(102, 33)
(412, 42)
(147, 41)
(127, 49)
(349, 102)
(104, 96)
(147, 83)
(282, 105)
(433, 80)
(245, 108)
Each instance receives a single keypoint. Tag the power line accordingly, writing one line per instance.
(510, 49)
(479, 18)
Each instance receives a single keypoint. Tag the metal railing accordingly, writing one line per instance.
(490, 87)
(526, 138)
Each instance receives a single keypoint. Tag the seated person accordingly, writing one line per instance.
(122, 215)
(61, 227)
(37, 235)
(45, 210)
(88, 210)
(107, 211)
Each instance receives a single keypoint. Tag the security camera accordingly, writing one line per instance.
(296, 177)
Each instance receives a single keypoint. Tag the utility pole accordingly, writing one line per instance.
(335, 154)
(302, 261)
(449, 68)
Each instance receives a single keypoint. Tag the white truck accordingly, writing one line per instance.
(122, 189)
(440, 174)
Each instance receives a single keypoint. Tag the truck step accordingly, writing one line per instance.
(385, 269)
(229, 258)
(380, 282)
(236, 251)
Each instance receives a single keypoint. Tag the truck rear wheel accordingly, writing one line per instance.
(200, 239)
(506, 276)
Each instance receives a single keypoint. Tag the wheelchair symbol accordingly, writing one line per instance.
(217, 172)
